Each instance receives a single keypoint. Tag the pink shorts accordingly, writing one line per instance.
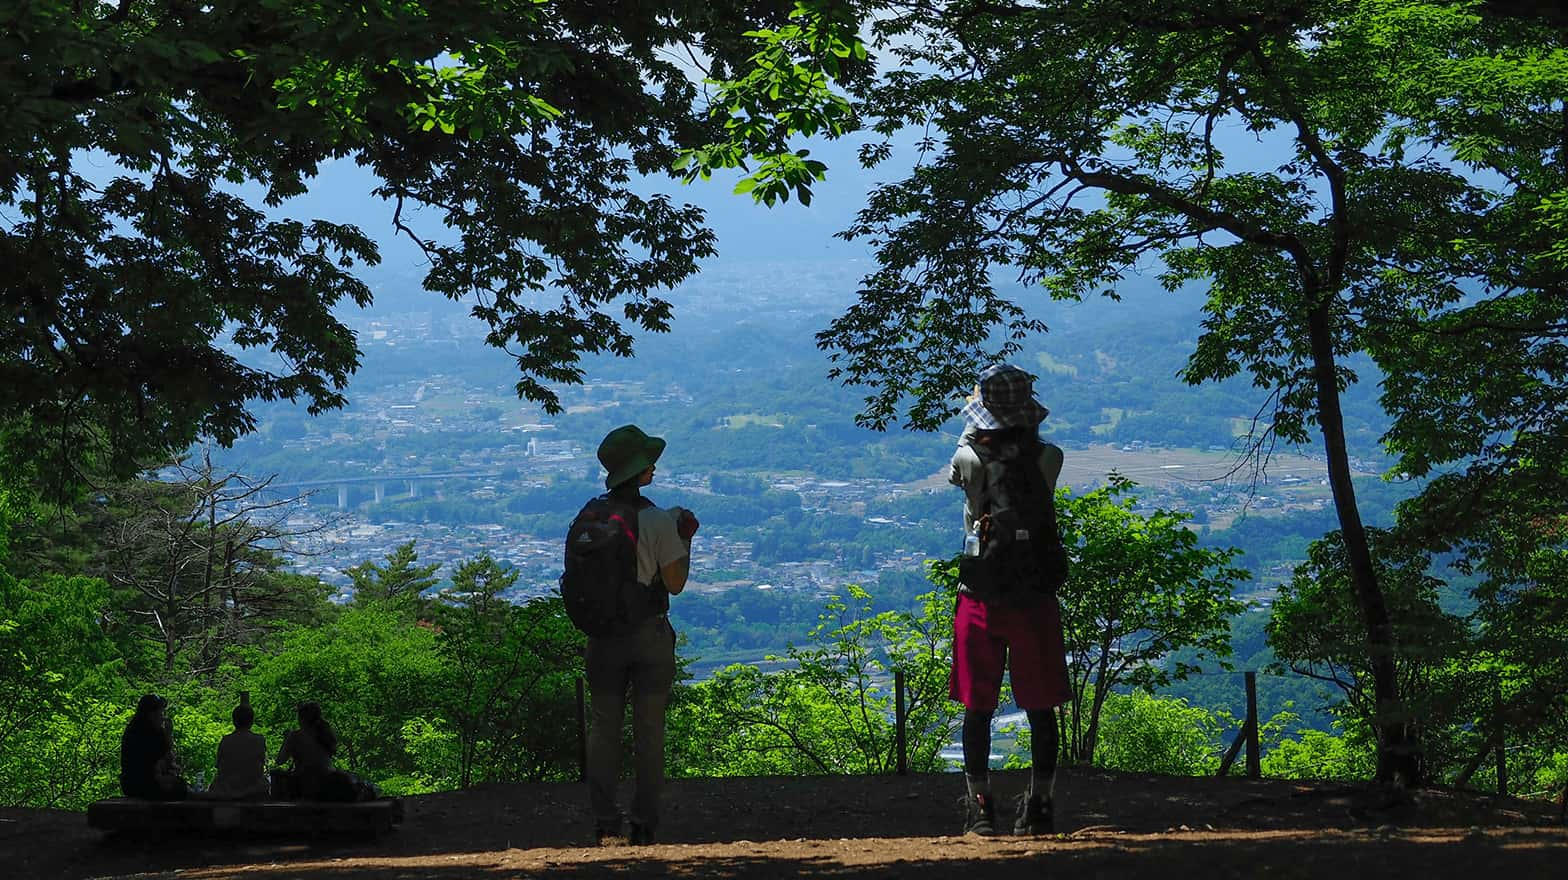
(1028, 640)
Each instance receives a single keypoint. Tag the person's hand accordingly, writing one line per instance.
(686, 524)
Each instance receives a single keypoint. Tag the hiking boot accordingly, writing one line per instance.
(980, 815)
(1036, 815)
(641, 835)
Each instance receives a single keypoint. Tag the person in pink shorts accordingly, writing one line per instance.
(1010, 620)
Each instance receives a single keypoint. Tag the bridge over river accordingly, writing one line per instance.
(379, 483)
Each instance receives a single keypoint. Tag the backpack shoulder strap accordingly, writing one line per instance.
(624, 510)
(1050, 452)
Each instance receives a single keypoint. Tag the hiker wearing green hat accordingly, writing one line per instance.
(625, 558)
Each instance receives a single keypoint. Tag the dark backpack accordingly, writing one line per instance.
(1021, 559)
(599, 584)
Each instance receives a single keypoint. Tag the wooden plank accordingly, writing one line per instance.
(1233, 751)
(1463, 779)
(268, 817)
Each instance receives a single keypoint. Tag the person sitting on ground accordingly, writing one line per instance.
(311, 748)
(148, 768)
(242, 760)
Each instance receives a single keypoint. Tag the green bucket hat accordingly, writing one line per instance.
(627, 452)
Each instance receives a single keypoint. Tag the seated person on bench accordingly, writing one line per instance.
(311, 748)
(147, 765)
(242, 761)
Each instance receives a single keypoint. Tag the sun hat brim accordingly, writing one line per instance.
(984, 418)
(637, 462)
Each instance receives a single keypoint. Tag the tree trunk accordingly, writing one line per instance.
(171, 610)
(209, 650)
(171, 645)
(1063, 739)
(235, 616)
(1398, 758)
(1070, 726)
(1101, 688)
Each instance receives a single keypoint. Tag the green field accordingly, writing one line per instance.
(1111, 416)
(1088, 466)
(1050, 366)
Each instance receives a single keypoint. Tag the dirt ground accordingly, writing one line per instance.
(1112, 825)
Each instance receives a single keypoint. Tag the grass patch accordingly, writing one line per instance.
(1112, 416)
(1243, 427)
(1050, 366)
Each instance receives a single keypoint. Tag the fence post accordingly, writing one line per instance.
(1254, 753)
(1497, 738)
(582, 734)
(901, 719)
(1247, 735)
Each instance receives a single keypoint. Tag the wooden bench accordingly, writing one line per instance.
(260, 817)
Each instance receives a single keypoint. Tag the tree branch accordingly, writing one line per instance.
(1339, 219)
(1210, 218)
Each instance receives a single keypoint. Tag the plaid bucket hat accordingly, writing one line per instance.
(1006, 400)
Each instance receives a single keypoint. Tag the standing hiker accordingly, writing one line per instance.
(625, 557)
(1007, 612)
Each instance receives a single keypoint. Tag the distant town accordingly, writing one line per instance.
(436, 453)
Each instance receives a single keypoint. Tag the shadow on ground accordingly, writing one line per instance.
(1113, 824)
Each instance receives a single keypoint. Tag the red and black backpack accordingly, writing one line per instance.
(599, 584)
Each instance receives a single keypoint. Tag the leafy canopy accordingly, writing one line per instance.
(1285, 155)
(155, 282)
